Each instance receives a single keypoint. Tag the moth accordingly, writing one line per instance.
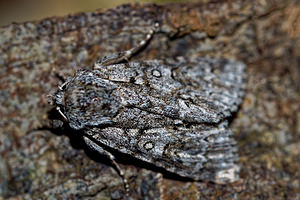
(171, 113)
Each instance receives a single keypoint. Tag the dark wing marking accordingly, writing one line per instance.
(201, 152)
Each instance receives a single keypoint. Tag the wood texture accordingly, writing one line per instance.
(36, 162)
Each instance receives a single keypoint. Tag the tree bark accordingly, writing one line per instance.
(39, 162)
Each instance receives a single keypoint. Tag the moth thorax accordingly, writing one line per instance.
(90, 105)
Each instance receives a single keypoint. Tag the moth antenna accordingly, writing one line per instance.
(121, 173)
(129, 53)
(126, 55)
(111, 157)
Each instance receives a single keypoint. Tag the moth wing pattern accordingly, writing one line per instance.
(200, 90)
(172, 113)
(219, 83)
(205, 151)
(200, 152)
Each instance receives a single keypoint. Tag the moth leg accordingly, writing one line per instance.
(126, 55)
(61, 113)
(61, 88)
(111, 157)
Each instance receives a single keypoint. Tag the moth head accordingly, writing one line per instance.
(87, 100)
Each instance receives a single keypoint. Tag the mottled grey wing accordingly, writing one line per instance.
(218, 84)
(196, 90)
(201, 152)
(166, 93)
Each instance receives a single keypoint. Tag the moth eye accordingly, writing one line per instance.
(156, 73)
(148, 145)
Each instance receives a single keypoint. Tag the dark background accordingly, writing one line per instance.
(27, 10)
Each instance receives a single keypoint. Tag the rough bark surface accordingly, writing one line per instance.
(39, 162)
